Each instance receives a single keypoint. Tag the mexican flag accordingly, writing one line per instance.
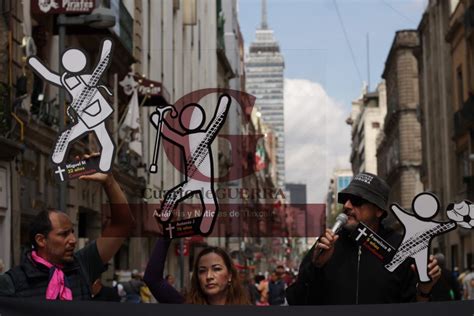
(260, 158)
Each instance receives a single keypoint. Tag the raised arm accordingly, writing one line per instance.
(223, 105)
(159, 287)
(44, 72)
(169, 133)
(106, 49)
(166, 130)
(121, 222)
(401, 214)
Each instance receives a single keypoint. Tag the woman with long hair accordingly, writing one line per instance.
(214, 281)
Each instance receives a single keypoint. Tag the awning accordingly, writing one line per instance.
(150, 93)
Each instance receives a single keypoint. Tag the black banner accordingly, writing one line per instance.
(13, 307)
(368, 239)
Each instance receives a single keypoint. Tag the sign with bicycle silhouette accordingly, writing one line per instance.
(420, 229)
(195, 143)
(88, 110)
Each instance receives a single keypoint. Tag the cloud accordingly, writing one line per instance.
(317, 139)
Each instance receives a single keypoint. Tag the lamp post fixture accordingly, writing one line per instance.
(100, 18)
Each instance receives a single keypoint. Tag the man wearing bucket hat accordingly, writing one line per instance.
(365, 200)
(338, 271)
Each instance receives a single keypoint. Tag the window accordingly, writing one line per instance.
(460, 86)
(343, 182)
(463, 168)
(454, 256)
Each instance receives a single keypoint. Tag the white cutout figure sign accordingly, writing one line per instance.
(420, 229)
(89, 105)
(129, 84)
(46, 5)
(196, 145)
(157, 118)
(462, 213)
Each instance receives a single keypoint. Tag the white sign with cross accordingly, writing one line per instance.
(170, 230)
(60, 172)
(362, 232)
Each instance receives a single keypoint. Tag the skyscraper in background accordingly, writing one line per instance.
(264, 73)
(297, 192)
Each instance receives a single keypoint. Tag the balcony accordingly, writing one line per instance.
(48, 113)
(464, 118)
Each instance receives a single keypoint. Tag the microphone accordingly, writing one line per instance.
(341, 220)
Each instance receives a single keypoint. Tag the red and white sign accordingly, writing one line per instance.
(62, 6)
(185, 249)
(153, 91)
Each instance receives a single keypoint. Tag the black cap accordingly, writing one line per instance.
(369, 187)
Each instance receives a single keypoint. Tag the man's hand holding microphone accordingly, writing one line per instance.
(325, 245)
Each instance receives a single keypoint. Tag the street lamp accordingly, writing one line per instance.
(99, 18)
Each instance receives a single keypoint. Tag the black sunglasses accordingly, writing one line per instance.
(356, 201)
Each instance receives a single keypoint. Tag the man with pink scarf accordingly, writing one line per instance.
(52, 270)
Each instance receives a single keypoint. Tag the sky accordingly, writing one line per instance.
(325, 67)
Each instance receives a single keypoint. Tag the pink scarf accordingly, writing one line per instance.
(56, 286)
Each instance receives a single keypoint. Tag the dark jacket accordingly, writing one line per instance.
(107, 293)
(276, 292)
(31, 279)
(447, 288)
(352, 276)
(133, 287)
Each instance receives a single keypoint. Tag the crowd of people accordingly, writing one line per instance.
(133, 290)
(264, 289)
(336, 270)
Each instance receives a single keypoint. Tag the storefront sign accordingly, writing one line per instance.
(62, 6)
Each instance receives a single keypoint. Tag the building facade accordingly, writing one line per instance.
(297, 192)
(11, 145)
(31, 121)
(399, 147)
(438, 170)
(366, 119)
(460, 38)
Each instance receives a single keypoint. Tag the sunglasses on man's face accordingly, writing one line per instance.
(357, 201)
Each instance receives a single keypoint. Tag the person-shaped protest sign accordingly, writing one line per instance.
(90, 107)
(196, 145)
(420, 230)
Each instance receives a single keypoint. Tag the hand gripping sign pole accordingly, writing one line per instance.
(160, 110)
